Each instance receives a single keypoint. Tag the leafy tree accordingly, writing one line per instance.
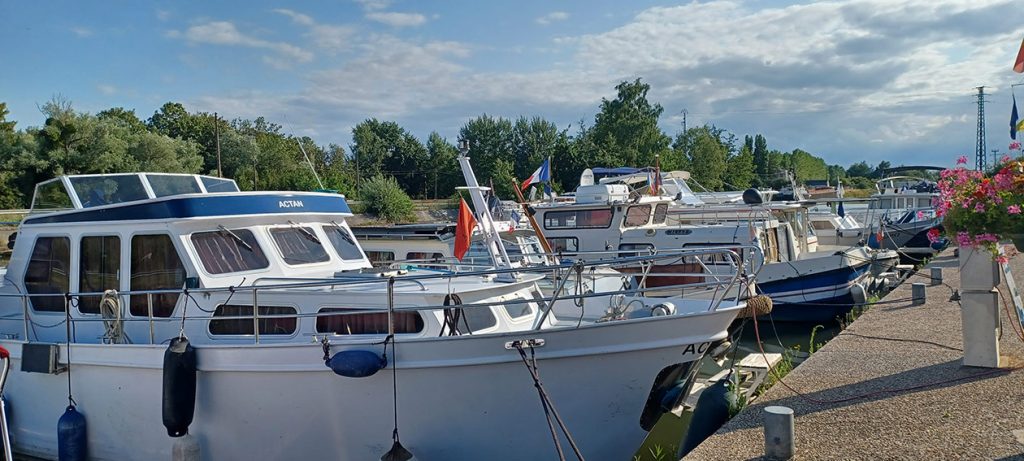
(127, 118)
(386, 148)
(806, 166)
(533, 140)
(444, 171)
(741, 169)
(626, 128)
(708, 156)
(836, 172)
(880, 169)
(490, 139)
(860, 169)
(383, 197)
(6, 127)
(761, 157)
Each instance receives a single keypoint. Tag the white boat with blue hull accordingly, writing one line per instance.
(266, 286)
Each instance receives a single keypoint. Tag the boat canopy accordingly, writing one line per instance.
(75, 192)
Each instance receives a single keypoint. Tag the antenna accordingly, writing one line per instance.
(299, 141)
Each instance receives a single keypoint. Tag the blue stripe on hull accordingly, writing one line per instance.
(204, 206)
(822, 297)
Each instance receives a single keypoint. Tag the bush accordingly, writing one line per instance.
(383, 197)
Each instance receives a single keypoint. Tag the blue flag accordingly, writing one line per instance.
(1013, 120)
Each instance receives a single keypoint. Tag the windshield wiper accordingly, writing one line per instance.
(309, 235)
(236, 237)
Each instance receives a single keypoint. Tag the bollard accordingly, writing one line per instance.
(917, 292)
(778, 433)
(936, 275)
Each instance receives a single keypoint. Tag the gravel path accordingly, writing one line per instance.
(919, 402)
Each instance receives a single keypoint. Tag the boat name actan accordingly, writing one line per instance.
(696, 348)
(290, 204)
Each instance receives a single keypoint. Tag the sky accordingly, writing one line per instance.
(847, 80)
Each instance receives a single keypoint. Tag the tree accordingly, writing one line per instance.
(806, 166)
(127, 118)
(836, 173)
(741, 172)
(383, 197)
(490, 139)
(761, 157)
(6, 127)
(708, 156)
(626, 128)
(386, 148)
(444, 171)
(533, 140)
(859, 169)
(880, 169)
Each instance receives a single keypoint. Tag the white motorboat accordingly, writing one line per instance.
(302, 350)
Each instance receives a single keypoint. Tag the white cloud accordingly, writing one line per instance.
(163, 15)
(370, 5)
(82, 31)
(554, 16)
(398, 19)
(864, 78)
(297, 17)
(225, 33)
(106, 89)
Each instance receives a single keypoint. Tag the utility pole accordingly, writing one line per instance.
(980, 156)
(995, 157)
(216, 129)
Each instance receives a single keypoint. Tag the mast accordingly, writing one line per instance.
(483, 213)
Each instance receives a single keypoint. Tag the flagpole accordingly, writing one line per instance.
(533, 221)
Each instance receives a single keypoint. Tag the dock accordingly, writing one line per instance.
(892, 386)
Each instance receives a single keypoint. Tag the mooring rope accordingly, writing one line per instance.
(545, 400)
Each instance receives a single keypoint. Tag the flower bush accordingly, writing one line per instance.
(979, 210)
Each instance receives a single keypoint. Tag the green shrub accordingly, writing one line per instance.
(383, 197)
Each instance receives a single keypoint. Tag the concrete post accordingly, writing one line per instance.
(779, 443)
(917, 293)
(979, 312)
(936, 275)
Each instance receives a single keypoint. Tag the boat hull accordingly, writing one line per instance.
(814, 290)
(465, 397)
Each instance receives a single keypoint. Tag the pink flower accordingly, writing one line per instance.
(1001, 259)
(1013, 209)
(934, 235)
(979, 207)
(962, 160)
(964, 239)
(1014, 145)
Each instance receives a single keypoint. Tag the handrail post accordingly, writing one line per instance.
(24, 310)
(255, 316)
(149, 312)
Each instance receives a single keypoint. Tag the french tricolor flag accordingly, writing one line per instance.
(543, 174)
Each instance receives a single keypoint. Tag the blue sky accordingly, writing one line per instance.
(847, 80)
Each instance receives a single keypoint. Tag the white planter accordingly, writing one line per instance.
(979, 312)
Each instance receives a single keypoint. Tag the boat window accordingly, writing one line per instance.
(578, 219)
(99, 269)
(660, 212)
(155, 265)
(105, 190)
(47, 273)
(479, 318)
(172, 184)
(559, 244)
(637, 215)
(638, 249)
(224, 251)
(343, 242)
(51, 196)
(219, 185)
(423, 255)
(885, 203)
(335, 320)
(924, 202)
(299, 245)
(243, 326)
(380, 257)
(519, 308)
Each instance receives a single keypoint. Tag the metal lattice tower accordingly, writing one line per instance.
(980, 154)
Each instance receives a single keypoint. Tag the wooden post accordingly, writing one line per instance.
(533, 221)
